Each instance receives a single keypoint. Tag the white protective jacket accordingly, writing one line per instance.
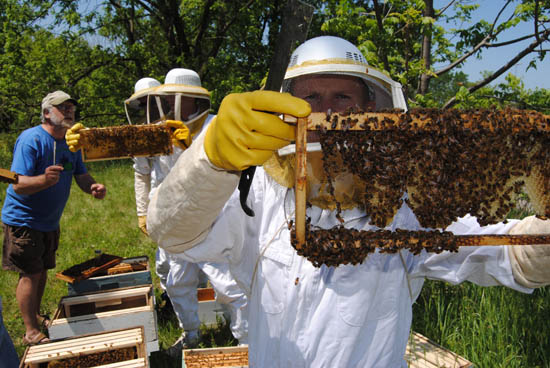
(300, 315)
(180, 278)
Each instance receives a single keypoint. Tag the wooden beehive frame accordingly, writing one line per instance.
(9, 177)
(125, 141)
(90, 344)
(232, 356)
(377, 121)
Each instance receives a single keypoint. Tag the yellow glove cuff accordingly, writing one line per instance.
(181, 136)
(142, 223)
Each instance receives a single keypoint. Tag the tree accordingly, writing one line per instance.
(406, 38)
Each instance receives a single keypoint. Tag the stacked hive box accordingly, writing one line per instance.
(118, 298)
(121, 296)
(121, 349)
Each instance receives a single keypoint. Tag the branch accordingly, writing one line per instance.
(544, 37)
(465, 56)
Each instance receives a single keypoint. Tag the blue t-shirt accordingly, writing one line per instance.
(32, 154)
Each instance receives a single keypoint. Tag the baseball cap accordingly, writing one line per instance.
(56, 98)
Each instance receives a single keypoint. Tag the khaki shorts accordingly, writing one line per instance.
(29, 251)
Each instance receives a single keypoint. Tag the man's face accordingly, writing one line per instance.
(187, 106)
(334, 93)
(62, 115)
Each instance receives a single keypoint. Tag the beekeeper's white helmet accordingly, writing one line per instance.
(145, 83)
(138, 105)
(181, 87)
(334, 55)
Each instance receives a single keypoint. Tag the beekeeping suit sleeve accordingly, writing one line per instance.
(142, 184)
(531, 263)
(187, 202)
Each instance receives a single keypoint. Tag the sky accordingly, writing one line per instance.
(493, 59)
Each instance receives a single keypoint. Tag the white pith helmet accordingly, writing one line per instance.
(183, 76)
(180, 84)
(136, 105)
(145, 83)
(335, 55)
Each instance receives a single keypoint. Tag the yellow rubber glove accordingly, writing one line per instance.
(181, 136)
(73, 138)
(142, 223)
(247, 130)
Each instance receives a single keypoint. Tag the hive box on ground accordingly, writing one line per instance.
(421, 353)
(121, 349)
(209, 309)
(129, 272)
(105, 311)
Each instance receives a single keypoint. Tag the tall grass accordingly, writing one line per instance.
(492, 327)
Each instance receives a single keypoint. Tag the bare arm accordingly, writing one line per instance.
(28, 185)
(88, 184)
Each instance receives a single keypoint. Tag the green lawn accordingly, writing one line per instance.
(493, 327)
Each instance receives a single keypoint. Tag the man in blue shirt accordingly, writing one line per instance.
(34, 205)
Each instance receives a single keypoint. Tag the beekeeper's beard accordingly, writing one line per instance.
(60, 122)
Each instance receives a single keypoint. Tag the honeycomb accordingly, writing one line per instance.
(443, 163)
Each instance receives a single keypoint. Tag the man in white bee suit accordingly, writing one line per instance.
(182, 99)
(301, 315)
(183, 104)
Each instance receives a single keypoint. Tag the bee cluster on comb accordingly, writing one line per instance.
(449, 163)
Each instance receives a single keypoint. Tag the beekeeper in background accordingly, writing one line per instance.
(184, 104)
(300, 315)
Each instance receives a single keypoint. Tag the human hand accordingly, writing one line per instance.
(180, 134)
(51, 174)
(247, 130)
(98, 191)
(73, 138)
(142, 223)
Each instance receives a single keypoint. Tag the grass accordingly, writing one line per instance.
(492, 327)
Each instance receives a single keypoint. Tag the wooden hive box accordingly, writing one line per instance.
(209, 309)
(423, 353)
(105, 311)
(121, 349)
(231, 356)
(129, 272)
